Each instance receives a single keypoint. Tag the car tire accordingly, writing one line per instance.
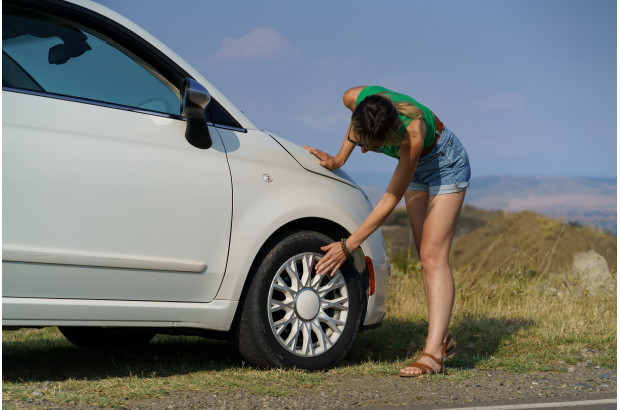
(112, 337)
(291, 316)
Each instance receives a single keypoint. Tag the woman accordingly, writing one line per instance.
(432, 173)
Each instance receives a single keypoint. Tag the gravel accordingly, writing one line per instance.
(385, 391)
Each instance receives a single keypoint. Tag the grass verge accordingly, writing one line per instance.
(512, 323)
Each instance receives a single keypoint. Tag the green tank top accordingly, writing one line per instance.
(429, 118)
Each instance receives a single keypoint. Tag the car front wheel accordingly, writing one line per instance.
(292, 316)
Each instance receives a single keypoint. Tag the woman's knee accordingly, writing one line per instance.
(432, 260)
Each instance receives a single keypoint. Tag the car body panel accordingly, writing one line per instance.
(105, 183)
(217, 315)
(310, 163)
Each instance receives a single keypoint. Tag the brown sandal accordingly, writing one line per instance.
(425, 369)
(445, 351)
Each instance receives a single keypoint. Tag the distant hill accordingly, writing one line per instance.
(581, 200)
(490, 242)
(528, 239)
(588, 201)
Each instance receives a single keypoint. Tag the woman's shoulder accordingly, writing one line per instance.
(350, 96)
(354, 95)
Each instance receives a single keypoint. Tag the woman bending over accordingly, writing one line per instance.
(432, 174)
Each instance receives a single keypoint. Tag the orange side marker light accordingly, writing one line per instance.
(371, 276)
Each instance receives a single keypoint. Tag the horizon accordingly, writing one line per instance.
(385, 177)
(585, 200)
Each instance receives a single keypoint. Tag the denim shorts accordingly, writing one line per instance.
(444, 170)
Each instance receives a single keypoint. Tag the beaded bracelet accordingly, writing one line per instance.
(345, 250)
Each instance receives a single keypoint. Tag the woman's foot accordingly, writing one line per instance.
(427, 364)
(430, 363)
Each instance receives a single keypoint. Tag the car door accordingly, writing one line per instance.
(103, 197)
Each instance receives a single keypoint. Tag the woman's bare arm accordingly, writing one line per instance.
(409, 153)
(332, 162)
(335, 162)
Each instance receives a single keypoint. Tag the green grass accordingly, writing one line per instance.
(519, 329)
(512, 323)
(42, 360)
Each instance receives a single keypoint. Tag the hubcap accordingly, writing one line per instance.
(307, 311)
(307, 304)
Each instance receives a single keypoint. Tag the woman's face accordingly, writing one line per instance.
(363, 148)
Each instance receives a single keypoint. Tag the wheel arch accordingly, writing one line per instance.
(322, 225)
(325, 226)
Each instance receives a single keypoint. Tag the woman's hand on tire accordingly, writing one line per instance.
(333, 259)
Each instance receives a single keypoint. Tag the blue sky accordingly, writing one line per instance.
(529, 86)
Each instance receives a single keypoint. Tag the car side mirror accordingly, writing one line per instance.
(193, 103)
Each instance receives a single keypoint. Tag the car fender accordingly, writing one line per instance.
(270, 190)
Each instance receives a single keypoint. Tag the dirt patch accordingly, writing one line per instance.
(469, 386)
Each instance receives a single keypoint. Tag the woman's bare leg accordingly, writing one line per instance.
(417, 205)
(434, 248)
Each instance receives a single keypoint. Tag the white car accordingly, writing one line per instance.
(130, 210)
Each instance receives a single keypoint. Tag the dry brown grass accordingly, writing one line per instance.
(530, 241)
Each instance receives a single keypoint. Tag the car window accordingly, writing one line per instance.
(49, 54)
(217, 115)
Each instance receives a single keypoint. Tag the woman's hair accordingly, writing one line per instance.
(375, 120)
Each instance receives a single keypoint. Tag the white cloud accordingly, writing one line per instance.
(260, 43)
(498, 102)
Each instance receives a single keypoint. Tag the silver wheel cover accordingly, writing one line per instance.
(307, 312)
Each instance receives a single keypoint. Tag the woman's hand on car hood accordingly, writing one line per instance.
(325, 159)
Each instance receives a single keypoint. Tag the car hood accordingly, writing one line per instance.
(310, 163)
